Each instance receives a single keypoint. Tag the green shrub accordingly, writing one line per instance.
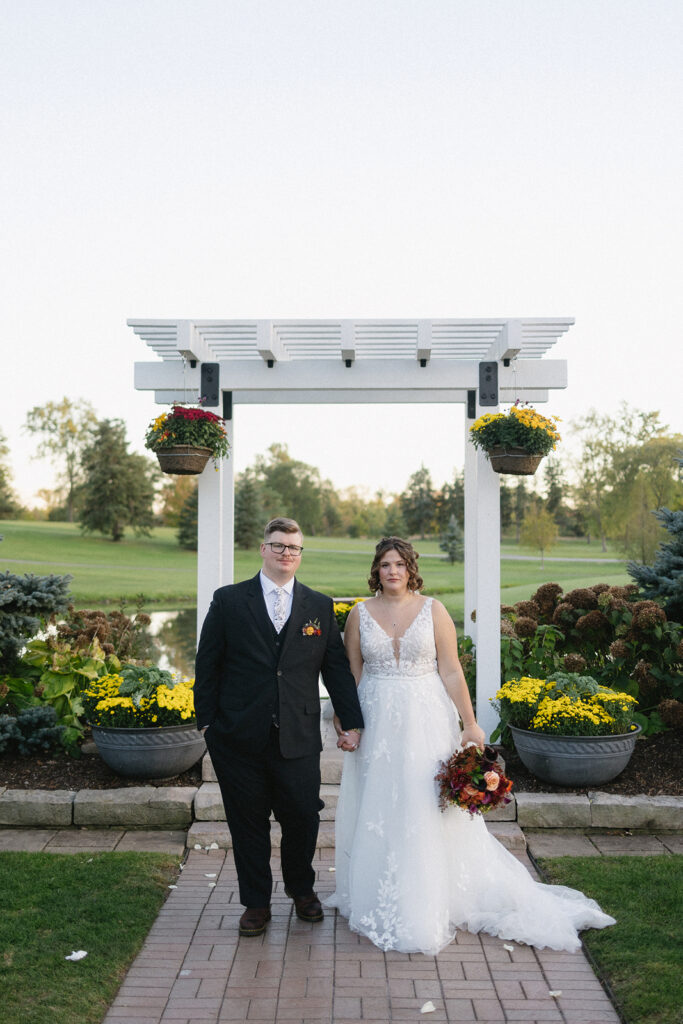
(8, 732)
(27, 603)
(51, 674)
(601, 631)
(32, 730)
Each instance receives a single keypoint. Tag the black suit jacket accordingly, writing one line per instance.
(243, 677)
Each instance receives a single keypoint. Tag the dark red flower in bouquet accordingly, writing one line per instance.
(473, 780)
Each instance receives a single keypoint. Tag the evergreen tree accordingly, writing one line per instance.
(394, 523)
(188, 521)
(507, 504)
(663, 580)
(418, 503)
(27, 603)
(249, 518)
(453, 542)
(521, 503)
(450, 501)
(8, 502)
(554, 486)
(118, 490)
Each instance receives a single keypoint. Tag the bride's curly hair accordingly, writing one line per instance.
(409, 555)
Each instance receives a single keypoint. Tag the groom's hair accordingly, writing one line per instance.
(281, 525)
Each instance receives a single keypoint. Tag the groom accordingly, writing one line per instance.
(262, 647)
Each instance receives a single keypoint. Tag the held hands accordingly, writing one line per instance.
(349, 740)
(473, 734)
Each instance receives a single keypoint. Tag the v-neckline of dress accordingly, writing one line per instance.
(397, 639)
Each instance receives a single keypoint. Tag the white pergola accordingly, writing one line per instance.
(323, 362)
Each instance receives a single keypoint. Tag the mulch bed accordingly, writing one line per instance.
(655, 769)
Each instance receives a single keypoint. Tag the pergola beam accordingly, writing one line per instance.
(351, 397)
(270, 348)
(376, 375)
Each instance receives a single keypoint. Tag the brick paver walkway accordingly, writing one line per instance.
(194, 967)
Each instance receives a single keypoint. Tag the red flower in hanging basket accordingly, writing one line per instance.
(175, 435)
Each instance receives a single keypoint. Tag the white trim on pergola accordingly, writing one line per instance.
(320, 362)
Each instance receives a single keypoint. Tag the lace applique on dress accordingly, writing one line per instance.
(417, 650)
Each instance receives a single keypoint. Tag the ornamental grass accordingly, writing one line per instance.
(565, 705)
(521, 427)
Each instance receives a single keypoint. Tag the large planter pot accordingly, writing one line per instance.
(574, 760)
(183, 459)
(513, 461)
(149, 753)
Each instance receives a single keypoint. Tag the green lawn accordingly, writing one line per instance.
(156, 567)
(53, 904)
(639, 955)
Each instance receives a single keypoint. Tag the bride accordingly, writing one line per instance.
(408, 874)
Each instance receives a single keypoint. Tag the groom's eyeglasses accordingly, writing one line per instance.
(278, 548)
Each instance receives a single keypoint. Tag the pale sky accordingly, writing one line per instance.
(329, 158)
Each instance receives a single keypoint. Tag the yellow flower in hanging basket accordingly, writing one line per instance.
(522, 427)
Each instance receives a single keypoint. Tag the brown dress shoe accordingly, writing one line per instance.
(308, 907)
(254, 920)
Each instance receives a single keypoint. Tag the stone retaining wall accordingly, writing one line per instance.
(180, 806)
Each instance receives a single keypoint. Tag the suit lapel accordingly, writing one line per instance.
(257, 606)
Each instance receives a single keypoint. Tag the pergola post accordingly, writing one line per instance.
(487, 590)
(215, 529)
(470, 530)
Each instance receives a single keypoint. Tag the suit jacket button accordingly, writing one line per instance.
(279, 672)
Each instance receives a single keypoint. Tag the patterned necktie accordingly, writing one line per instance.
(280, 614)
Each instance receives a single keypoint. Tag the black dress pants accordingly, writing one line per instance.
(253, 785)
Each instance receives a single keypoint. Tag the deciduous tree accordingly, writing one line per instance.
(290, 488)
(418, 503)
(118, 490)
(539, 529)
(175, 491)
(9, 506)
(64, 430)
(188, 521)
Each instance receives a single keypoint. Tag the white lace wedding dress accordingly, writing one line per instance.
(408, 874)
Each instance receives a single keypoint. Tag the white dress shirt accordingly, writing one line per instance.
(270, 590)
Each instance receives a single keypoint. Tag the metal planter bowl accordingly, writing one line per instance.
(149, 753)
(574, 760)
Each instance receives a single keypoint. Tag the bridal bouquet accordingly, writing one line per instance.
(473, 780)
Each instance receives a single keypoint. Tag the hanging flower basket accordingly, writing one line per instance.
(513, 461)
(185, 438)
(183, 459)
(515, 442)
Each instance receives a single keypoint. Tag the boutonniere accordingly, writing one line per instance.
(312, 628)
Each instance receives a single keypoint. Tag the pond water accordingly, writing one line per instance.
(175, 638)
